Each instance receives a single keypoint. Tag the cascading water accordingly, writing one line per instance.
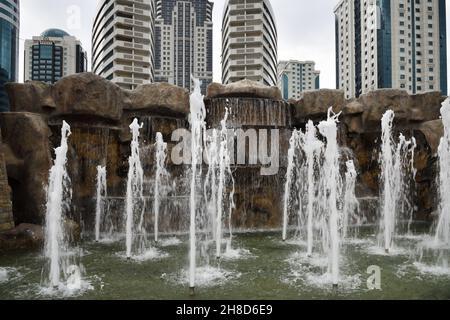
(100, 200)
(160, 175)
(394, 163)
(198, 126)
(134, 197)
(331, 189)
(58, 199)
(443, 227)
(225, 174)
(293, 145)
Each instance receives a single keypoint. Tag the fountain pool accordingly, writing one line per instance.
(270, 271)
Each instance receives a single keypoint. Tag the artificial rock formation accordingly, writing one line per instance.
(6, 213)
(99, 113)
(253, 107)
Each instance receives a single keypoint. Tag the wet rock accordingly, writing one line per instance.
(32, 96)
(23, 237)
(243, 89)
(376, 103)
(353, 108)
(28, 163)
(159, 98)
(433, 131)
(87, 94)
(314, 105)
(426, 106)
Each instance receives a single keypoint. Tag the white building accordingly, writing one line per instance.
(295, 77)
(249, 42)
(391, 44)
(53, 55)
(123, 42)
(184, 42)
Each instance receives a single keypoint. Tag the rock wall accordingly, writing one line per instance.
(99, 113)
(6, 214)
(360, 133)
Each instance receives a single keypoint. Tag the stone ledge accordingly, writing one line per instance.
(243, 89)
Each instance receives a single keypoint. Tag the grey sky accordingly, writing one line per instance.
(305, 29)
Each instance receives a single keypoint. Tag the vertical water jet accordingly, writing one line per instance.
(161, 173)
(58, 198)
(134, 186)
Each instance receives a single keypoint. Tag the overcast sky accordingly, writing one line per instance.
(305, 29)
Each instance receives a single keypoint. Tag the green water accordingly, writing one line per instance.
(268, 273)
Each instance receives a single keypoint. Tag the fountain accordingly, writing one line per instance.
(325, 208)
(224, 163)
(443, 226)
(160, 175)
(134, 197)
(293, 145)
(198, 126)
(331, 190)
(351, 203)
(100, 200)
(61, 273)
(58, 189)
(394, 163)
(312, 149)
(210, 187)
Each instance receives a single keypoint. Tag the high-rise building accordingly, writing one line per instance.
(53, 55)
(123, 42)
(397, 44)
(184, 42)
(9, 47)
(249, 42)
(295, 77)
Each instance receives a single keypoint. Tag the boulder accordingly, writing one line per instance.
(314, 105)
(159, 98)
(243, 89)
(28, 163)
(433, 132)
(23, 237)
(32, 96)
(426, 106)
(377, 102)
(87, 94)
(354, 107)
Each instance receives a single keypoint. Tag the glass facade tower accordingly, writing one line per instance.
(9, 47)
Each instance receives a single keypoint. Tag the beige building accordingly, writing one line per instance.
(296, 77)
(249, 42)
(123, 42)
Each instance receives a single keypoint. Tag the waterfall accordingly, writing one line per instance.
(100, 200)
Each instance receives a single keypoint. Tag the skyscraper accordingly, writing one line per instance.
(123, 42)
(53, 55)
(391, 44)
(249, 42)
(9, 47)
(296, 77)
(184, 42)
